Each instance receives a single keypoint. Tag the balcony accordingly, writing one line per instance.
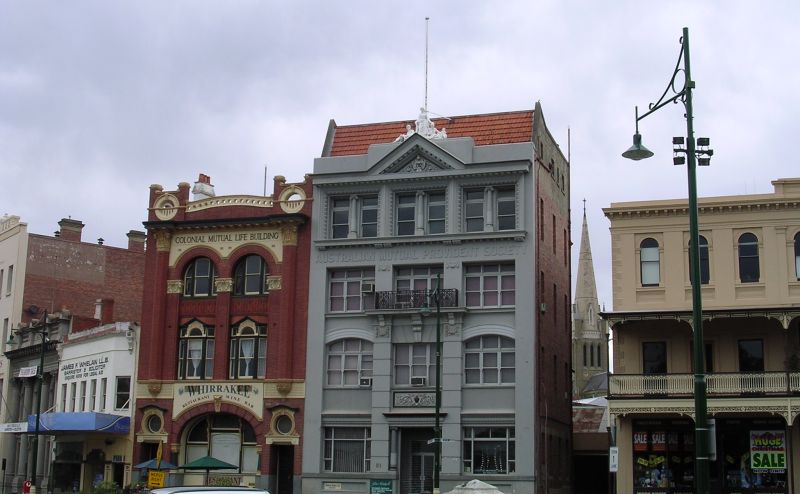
(415, 299)
(718, 385)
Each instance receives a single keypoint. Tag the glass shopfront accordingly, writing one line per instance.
(752, 455)
(663, 456)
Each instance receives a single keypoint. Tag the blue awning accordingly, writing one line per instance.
(65, 422)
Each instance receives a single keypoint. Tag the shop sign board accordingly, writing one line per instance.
(188, 395)
(380, 486)
(613, 459)
(768, 451)
(155, 478)
(640, 441)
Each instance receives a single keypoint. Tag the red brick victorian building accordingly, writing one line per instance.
(222, 363)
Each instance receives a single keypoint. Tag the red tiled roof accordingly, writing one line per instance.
(491, 128)
(587, 419)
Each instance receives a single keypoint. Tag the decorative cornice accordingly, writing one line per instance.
(644, 211)
(216, 202)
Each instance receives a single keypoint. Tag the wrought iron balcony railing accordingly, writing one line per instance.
(416, 299)
(718, 384)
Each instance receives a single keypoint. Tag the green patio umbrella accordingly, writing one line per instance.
(151, 465)
(208, 463)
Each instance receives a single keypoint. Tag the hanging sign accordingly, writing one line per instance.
(29, 371)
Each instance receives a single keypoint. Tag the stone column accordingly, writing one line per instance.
(287, 304)
(22, 458)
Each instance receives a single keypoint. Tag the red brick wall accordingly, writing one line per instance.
(63, 274)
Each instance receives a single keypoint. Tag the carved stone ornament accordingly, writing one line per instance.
(154, 388)
(418, 165)
(217, 403)
(163, 241)
(274, 283)
(223, 285)
(384, 326)
(414, 399)
(175, 286)
(283, 387)
(289, 234)
(453, 325)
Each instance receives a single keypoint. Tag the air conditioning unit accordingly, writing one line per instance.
(365, 382)
(419, 381)
(368, 287)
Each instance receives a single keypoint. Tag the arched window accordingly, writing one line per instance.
(591, 355)
(350, 361)
(748, 258)
(250, 276)
(599, 355)
(705, 273)
(797, 255)
(650, 262)
(248, 357)
(196, 351)
(489, 359)
(585, 355)
(198, 279)
(226, 437)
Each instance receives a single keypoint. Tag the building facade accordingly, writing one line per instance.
(462, 232)
(77, 285)
(222, 367)
(750, 283)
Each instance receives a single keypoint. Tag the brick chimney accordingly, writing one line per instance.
(104, 310)
(202, 188)
(136, 240)
(70, 229)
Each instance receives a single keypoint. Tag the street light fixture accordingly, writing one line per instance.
(43, 333)
(693, 154)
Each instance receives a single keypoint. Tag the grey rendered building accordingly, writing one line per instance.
(481, 203)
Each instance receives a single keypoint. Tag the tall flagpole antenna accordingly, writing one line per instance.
(427, 21)
(265, 180)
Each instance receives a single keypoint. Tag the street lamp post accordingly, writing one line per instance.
(437, 429)
(691, 152)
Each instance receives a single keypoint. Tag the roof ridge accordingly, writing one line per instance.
(398, 122)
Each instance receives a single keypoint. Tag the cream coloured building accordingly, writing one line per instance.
(750, 279)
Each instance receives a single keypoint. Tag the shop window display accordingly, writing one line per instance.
(753, 454)
(663, 456)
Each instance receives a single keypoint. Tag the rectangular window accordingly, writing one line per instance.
(2, 277)
(340, 214)
(541, 219)
(351, 290)
(506, 209)
(554, 234)
(436, 212)
(490, 285)
(414, 364)
(654, 357)
(72, 392)
(5, 331)
(369, 216)
(123, 394)
(349, 362)
(83, 396)
(93, 395)
(365, 216)
(103, 390)
(63, 397)
(10, 280)
(347, 449)
(489, 450)
(473, 210)
(406, 214)
(751, 355)
(414, 285)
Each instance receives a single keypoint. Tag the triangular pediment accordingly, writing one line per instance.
(416, 155)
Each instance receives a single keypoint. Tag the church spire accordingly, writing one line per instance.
(585, 289)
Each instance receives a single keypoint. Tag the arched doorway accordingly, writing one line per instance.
(225, 437)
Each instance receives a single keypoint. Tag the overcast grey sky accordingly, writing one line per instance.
(100, 99)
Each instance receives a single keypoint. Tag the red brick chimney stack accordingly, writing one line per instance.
(70, 229)
(136, 240)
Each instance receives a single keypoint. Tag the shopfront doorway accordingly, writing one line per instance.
(283, 468)
(417, 459)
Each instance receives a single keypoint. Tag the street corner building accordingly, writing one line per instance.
(222, 365)
(749, 277)
(439, 289)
